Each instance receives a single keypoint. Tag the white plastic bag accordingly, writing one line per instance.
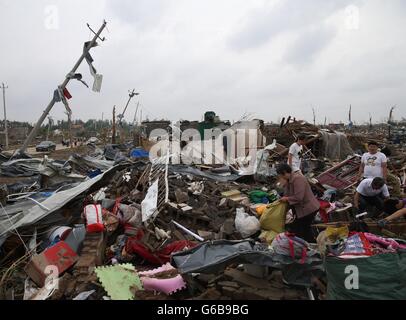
(246, 224)
(149, 204)
(94, 218)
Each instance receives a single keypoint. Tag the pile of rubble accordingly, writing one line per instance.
(122, 227)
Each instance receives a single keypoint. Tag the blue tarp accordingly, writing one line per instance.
(139, 153)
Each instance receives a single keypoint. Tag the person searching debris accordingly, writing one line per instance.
(373, 163)
(372, 192)
(298, 194)
(295, 153)
(395, 208)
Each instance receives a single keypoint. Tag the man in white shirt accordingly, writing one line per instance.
(371, 192)
(295, 153)
(373, 163)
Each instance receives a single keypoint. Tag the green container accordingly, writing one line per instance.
(380, 277)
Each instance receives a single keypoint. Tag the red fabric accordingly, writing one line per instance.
(289, 236)
(323, 212)
(116, 204)
(135, 246)
(304, 255)
(67, 94)
(291, 249)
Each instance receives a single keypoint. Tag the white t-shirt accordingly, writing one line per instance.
(365, 189)
(295, 150)
(373, 164)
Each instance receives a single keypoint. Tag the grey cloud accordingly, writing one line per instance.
(264, 24)
(181, 68)
(139, 13)
(378, 71)
(308, 44)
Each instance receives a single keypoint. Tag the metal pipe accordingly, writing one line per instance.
(194, 235)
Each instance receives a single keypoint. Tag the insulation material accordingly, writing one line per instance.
(119, 280)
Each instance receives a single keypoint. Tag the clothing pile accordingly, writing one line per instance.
(339, 242)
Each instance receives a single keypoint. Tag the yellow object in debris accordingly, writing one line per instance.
(337, 233)
(268, 236)
(274, 217)
(260, 209)
(231, 193)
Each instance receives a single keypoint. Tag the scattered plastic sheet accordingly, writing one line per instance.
(20, 217)
(213, 257)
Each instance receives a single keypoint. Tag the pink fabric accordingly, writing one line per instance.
(386, 242)
(167, 286)
(165, 267)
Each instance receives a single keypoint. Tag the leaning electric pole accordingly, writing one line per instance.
(62, 93)
(5, 113)
(131, 95)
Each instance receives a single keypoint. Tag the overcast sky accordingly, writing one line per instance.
(268, 58)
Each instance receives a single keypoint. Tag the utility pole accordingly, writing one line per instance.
(131, 95)
(5, 113)
(390, 120)
(50, 121)
(135, 115)
(349, 115)
(350, 123)
(62, 86)
(314, 117)
(70, 128)
(113, 134)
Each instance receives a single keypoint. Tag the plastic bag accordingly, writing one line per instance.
(94, 218)
(260, 209)
(274, 217)
(149, 204)
(288, 244)
(268, 236)
(246, 224)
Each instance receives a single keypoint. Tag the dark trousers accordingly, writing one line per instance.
(376, 202)
(301, 227)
